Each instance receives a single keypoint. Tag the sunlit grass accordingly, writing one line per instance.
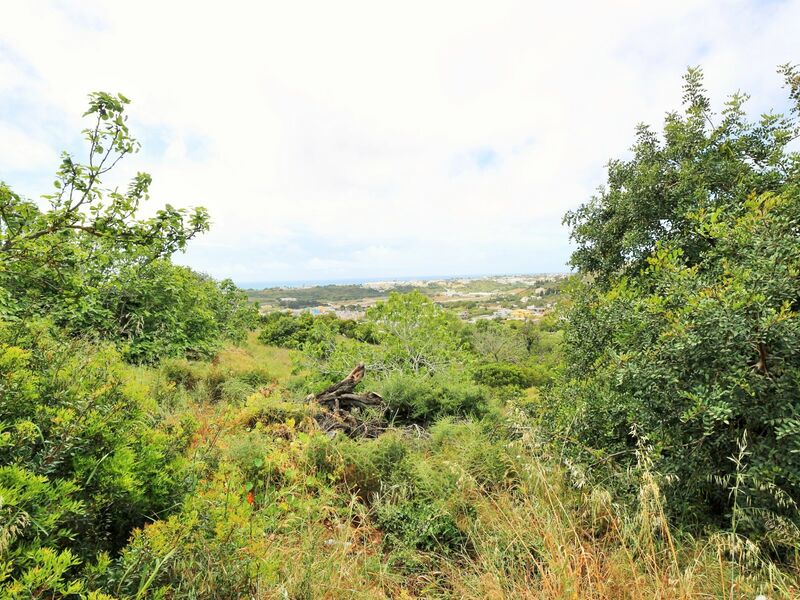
(254, 354)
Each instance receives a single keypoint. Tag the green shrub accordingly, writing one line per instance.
(257, 376)
(425, 509)
(413, 398)
(362, 332)
(208, 381)
(543, 374)
(503, 374)
(416, 335)
(235, 391)
(467, 444)
(163, 310)
(183, 372)
(199, 550)
(421, 525)
(285, 330)
(363, 468)
(272, 409)
(82, 463)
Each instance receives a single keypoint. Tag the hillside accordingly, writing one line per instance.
(629, 431)
(471, 507)
(471, 298)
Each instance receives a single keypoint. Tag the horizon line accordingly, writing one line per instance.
(310, 282)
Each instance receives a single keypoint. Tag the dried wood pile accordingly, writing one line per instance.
(344, 410)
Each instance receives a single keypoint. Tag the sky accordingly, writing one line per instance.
(347, 140)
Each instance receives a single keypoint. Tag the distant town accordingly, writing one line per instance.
(506, 297)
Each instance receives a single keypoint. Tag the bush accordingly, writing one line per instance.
(256, 376)
(163, 310)
(298, 331)
(183, 372)
(82, 464)
(285, 330)
(235, 391)
(216, 382)
(84, 260)
(469, 445)
(413, 500)
(416, 335)
(361, 468)
(420, 399)
(420, 525)
(503, 374)
(260, 408)
(199, 549)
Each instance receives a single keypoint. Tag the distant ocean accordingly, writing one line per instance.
(301, 283)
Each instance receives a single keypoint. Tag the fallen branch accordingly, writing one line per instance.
(346, 411)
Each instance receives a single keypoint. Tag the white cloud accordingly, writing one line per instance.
(19, 151)
(369, 138)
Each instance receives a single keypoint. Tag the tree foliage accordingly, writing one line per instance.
(415, 334)
(85, 260)
(502, 375)
(702, 161)
(84, 283)
(85, 231)
(163, 309)
(684, 336)
(495, 341)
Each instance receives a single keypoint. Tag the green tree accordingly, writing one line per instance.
(503, 374)
(161, 309)
(700, 162)
(53, 257)
(286, 330)
(415, 334)
(684, 335)
(497, 342)
(85, 261)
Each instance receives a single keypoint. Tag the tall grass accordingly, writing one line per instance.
(281, 510)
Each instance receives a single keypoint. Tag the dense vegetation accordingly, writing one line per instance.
(685, 336)
(643, 441)
(305, 297)
(86, 288)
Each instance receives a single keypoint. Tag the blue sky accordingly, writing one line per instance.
(373, 139)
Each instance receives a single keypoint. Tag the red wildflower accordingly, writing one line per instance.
(251, 499)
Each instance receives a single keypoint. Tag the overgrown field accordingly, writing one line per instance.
(238, 494)
(161, 439)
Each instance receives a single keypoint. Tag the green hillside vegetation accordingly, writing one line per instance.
(305, 297)
(313, 296)
(642, 441)
(503, 293)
